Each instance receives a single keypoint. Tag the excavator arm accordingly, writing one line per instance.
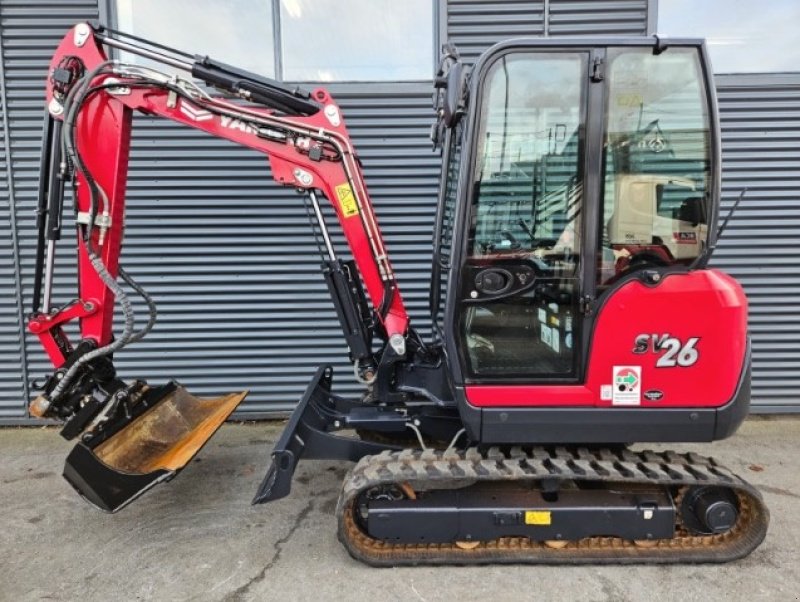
(90, 103)
(308, 149)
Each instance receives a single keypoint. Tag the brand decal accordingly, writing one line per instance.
(654, 395)
(627, 386)
(671, 350)
(195, 113)
(236, 124)
(654, 140)
(685, 238)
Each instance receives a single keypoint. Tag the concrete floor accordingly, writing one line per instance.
(198, 538)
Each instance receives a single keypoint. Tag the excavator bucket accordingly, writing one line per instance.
(116, 466)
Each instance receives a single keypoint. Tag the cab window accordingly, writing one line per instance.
(521, 272)
(657, 162)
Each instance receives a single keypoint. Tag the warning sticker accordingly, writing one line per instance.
(546, 335)
(631, 100)
(538, 517)
(606, 392)
(346, 200)
(627, 383)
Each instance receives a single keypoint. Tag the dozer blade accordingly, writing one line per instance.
(116, 466)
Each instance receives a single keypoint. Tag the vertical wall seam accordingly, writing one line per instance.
(277, 50)
(546, 19)
(106, 13)
(12, 216)
(439, 32)
(652, 17)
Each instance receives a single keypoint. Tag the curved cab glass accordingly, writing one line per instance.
(657, 162)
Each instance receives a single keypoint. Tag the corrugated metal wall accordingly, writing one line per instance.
(474, 25)
(29, 32)
(760, 139)
(11, 365)
(229, 255)
(597, 17)
(231, 260)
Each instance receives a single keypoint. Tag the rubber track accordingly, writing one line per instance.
(617, 468)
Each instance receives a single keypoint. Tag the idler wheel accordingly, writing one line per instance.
(709, 510)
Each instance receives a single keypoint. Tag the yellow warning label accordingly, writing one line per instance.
(538, 517)
(630, 100)
(346, 200)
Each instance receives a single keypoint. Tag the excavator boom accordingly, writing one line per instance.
(90, 105)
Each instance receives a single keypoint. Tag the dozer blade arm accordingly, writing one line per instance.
(308, 435)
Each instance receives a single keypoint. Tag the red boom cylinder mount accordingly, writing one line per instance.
(305, 152)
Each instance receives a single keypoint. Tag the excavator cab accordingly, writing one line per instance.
(570, 173)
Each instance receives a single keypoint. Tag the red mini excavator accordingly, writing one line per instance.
(573, 311)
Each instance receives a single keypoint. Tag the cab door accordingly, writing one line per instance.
(585, 166)
(519, 283)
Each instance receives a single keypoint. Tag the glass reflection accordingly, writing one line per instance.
(357, 40)
(238, 32)
(743, 36)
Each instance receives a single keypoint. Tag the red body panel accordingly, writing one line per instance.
(104, 133)
(707, 304)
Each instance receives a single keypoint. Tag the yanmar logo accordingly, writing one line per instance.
(236, 124)
(195, 113)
